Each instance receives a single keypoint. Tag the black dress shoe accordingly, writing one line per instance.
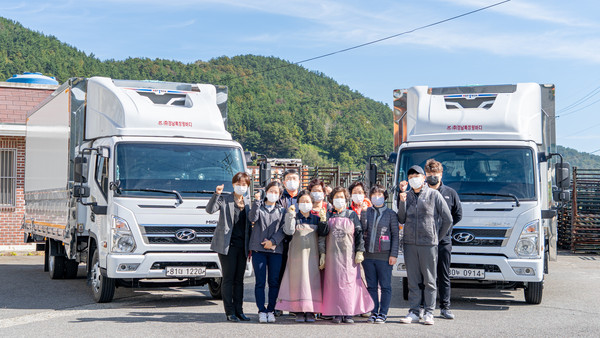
(242, 317)
(233, 318)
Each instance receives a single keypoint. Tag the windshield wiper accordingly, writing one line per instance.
(172, 192)
(491, 194)
(199, 192)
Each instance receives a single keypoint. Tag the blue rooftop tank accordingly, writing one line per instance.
(37, 78)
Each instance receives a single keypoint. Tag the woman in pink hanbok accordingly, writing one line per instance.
(300, 291)
(344, 292)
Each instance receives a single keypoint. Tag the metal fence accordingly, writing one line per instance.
(579, 223)
(333, 176)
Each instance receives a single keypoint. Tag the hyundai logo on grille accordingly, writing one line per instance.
(463, 237)
(185, 235)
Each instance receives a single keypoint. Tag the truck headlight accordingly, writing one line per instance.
(528, 245)
(122, 237)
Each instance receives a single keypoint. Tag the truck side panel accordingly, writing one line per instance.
(47, 167)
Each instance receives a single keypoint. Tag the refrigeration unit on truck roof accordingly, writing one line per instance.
(493, 112)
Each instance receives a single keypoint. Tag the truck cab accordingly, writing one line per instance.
(127, 168)
(494, 143)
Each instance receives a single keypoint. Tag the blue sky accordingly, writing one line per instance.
(519, 41)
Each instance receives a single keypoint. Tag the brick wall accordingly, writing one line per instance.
(11, 217)
(16, 100)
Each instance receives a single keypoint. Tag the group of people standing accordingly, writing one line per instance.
(316, 250)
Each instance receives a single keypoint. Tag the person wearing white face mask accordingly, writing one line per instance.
(265, 243)
(380, 226)
(426, 220)
(359, 202)
(317, 193)
(230, 241)
(344, 292)
(289, 197)
(300, 289)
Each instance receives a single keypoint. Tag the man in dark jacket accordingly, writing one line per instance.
(426, 219)
(291, 183)
(434, 171)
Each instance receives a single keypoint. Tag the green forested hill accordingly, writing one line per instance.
(285, 112)
(579, 159)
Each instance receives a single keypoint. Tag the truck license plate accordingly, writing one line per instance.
(186, 271)
(467, 273)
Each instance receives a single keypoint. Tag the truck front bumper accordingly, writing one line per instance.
(152, 265)
(491, 264)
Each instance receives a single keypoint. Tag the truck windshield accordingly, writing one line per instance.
(190, 169)
(479, 170)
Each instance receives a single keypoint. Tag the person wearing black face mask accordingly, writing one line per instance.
(434, 171)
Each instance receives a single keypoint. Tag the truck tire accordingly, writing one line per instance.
(405, 288)
(71, 268)
(56, 266)
(103, 287)
(533, 292)
(214, 287)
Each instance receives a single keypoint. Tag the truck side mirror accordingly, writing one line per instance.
(392, 158)
(371, 174)
(78, 169)
(248, 157)
(81, 191)
(563, 175)
(264, 174)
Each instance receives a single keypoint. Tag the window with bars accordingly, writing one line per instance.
(8, 177)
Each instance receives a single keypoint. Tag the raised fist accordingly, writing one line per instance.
(219, 189)
(257, 196)
(403, 186)
(292, 210)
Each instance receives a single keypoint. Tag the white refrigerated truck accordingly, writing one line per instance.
(494, 143)
(118, 174)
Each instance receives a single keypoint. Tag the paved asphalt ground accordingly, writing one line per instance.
(33, 305)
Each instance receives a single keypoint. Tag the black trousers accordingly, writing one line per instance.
(443, 275)
(233, 266)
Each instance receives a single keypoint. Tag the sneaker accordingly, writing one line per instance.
(278, 313)
(380, 319)
(421, 312)
(365, 315)
(300, 318)
(410, 318)
(270, 317)
(310, 317)
(428, 319)
(372, 319)
(262, 317)
(348, 319)
(337, 319)
(446, 313)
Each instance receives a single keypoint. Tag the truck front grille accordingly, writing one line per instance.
(480, 236)
(177, 233)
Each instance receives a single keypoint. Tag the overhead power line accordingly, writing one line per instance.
(582, 100)
(375, 41)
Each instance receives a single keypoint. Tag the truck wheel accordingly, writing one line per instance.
(71, 268)
(533, 292)
(56, 266)
(214, 287)
(103, 287)
(405, 288)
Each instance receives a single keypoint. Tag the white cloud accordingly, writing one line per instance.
(530, 11)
